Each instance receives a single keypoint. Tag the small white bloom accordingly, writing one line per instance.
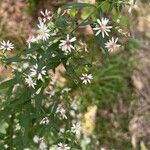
(53, 55)
(66, 45)
(112, 45)
(26, 149)
(39, 72)
(6, 45)
(17, 127)
(75, 105)
(42, 145)
(131, 3)
(45, 121)
(63, 147)
(6, 146)
(25, 65)
(60, 110)
(30, 82)
(30, 40)
(87, 140)
(47, 15)
(103, 27)
(86, 78)
(14, 136)
(36, 139)
(43, 32)
(62, 130)
(76, 128)
(66, 90)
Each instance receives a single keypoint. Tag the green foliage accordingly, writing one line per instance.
(33, 104)
(32, 5)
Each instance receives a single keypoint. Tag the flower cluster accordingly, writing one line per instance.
(33, 88)
(35, 74)
(104, 28)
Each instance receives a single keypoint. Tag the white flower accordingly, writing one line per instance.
(63, 147)
(30, 82)
(46, 14)
(60, 110)
(17, 127)
(86, 78)
(103, 27)
(42, 145)
(87, 140)
(45, 121)
(53, 147)
(76, 128)
(75, 104)
(66, 89)
(6, 45)
(35, 71)
(26, 149)
(36, 139)
(43, 32)
(66, 45)
(112, 45)
(6, 146)
(25, 65)
(30, 40)
(62, 130)
(131, 3)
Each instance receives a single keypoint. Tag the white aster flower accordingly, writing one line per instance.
(131, 3)
(6, 146)
(63, 147)
(103, 27)
(86, 78)
(30, 40)
(60, 110)
(76, 128)
(112, 45)
(43, 32)
(62, 130)
(42, 145)
(75, 105)
(66, 45)
(36, 139)
(39, 72)
(47, 15)
(17, 127)
(6, 45)
(66, 89)
(45, 121)
(30, 82)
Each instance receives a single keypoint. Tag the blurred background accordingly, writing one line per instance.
(122, 105)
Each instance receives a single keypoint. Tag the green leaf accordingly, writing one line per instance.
(53, 64)
(77, 6)
(70, 71)
(7, 84)
(18, 58)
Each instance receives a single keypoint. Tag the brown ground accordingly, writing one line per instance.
(140, 123)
